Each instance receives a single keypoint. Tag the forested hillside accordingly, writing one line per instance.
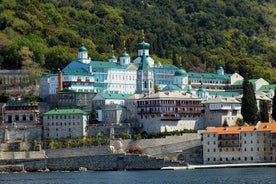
(198, 35)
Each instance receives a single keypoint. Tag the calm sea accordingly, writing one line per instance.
(222, 175)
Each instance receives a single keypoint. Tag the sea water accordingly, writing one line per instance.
(222, 175)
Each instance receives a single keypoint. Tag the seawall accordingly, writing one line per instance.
(93, 162)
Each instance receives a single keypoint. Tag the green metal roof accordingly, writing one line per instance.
(143, 45)
(171, 87)
(253, 80)
(82, 49)
(65, 111)
(114, 96)
(112, 57)
(104, 64)
(23, 102)
(238, 83)
(125, 54)
(76, 68)
(180, 72)
(266, 88)
(224, 94)
(209, 76)
(144, 64)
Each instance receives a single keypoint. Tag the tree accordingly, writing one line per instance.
(4, 97)
(274, 106)
(156, 88)
(29, 65)
(93, 115)
(225, 123)
(249, 108)
(264, 111)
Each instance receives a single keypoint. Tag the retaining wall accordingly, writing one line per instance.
(96, 162)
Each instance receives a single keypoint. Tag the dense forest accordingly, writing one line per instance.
(198, 35)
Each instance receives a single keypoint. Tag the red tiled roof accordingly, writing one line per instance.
(238, 129)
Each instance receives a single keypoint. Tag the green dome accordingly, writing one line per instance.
(180, 72)
(82, 49)
(143, 45)
(124, 55)
(112, 57)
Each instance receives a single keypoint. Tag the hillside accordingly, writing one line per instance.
(197, 35)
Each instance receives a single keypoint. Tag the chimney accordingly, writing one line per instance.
(60, 86)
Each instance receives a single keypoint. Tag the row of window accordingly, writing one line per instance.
(179, 116)
(64, 117)
(63, 124)
(229, 142)
(238, 159)
(173, 102)
(237, 149)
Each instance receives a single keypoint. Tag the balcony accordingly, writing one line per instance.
(170, 117)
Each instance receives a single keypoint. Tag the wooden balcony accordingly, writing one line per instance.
(170, 117)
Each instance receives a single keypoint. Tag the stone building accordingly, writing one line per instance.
(245, 144)
(166, 111)
(20, 112)
(221, 110)
(75, 99)
(110, 108)
(65, 123)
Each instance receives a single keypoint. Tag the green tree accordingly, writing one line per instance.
(225, 123)
(33, 68)
(4, 97)
(274, 106)
(249, 108)
(264, 111)
(93, 114)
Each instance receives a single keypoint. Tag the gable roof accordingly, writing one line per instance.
(76, 68)
(266, 88)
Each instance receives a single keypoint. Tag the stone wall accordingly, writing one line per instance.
(109, 130)
(81, 151)
(22, 155)
(151, 143)
(96, 162)
(10, 134)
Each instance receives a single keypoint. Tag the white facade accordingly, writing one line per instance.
(247, 144)
(219, 110)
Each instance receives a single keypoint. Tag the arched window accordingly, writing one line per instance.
(31, 117)
(145, 84)
(24, 117)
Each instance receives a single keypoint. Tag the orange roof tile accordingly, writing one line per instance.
(231, 130)
(267, 127)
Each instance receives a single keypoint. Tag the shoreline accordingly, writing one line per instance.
(214, 166)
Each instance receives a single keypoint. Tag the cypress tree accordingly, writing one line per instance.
(249, 108)
(174, 58)
(93, 114)
(274, 106)
(264, 111)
